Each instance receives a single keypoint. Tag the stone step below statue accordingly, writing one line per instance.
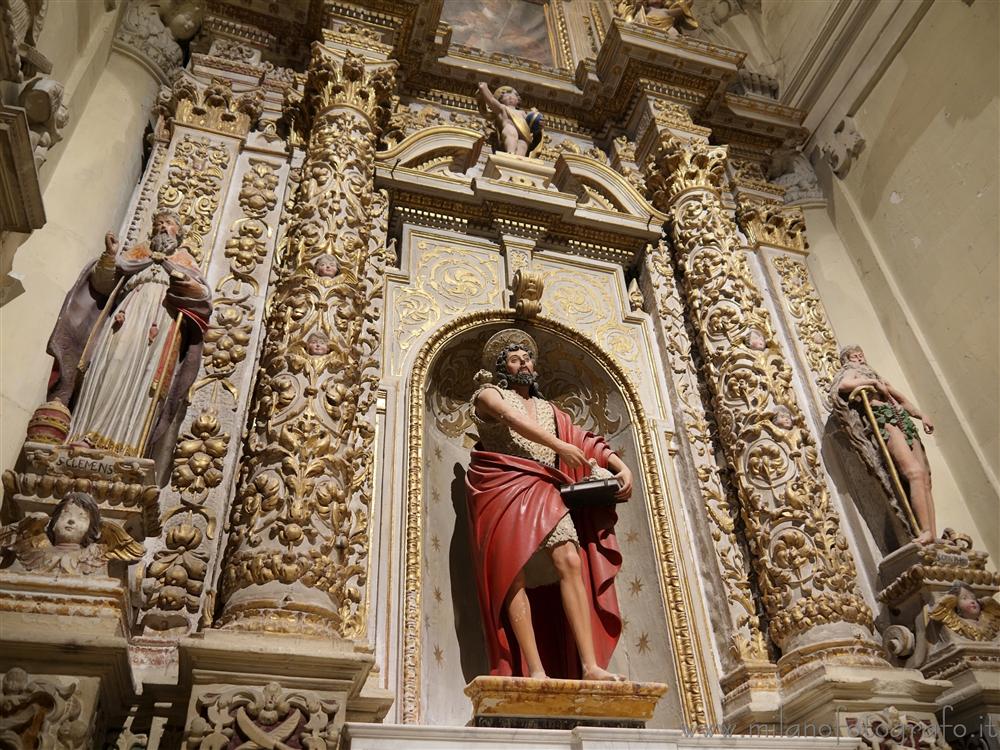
(528, 703)
(410, 737)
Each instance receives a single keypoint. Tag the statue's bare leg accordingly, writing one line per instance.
(519, 614)
(912, 464)
(566, 560)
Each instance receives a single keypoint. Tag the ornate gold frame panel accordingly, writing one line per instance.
(687, 650)
(559, 45)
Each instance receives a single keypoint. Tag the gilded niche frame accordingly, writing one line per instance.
(697, 706)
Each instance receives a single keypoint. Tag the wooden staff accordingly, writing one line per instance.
(862, 391)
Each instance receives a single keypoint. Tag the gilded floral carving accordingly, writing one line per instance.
(811, 324)
(747, 639)
(192, 188)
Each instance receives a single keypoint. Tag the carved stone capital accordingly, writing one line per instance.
(680, 166)
(214, 106)
(773, 224)
(346, 80)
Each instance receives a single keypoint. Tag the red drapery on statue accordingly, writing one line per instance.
(513, 505)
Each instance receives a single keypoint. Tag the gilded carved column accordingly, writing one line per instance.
(297, 555)
(801, 559)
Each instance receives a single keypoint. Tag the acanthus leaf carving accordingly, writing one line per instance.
(266, 717)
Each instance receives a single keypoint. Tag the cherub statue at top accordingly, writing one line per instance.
(518, 132)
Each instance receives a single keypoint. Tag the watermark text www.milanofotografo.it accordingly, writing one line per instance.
(850, 727)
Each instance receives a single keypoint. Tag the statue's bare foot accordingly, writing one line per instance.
(925, 537)
(596, 673)
(539, 675)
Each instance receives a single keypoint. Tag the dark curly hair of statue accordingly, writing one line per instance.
(506, 380)
(82, 500)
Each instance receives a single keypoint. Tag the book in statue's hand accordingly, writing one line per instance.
(590, 493)
(597, 490)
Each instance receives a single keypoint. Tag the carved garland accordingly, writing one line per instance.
(807, 575)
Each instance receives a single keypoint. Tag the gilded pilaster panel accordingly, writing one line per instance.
(445, 278)
(235, 245)
(298, 551)
(804, 568)
(804, 311)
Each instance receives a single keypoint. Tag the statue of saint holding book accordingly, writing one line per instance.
(542, 495)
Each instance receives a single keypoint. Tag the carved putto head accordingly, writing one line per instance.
(326, 266)
(508, 95)
(967, 605)
(852, 354)
(755, 340)
(317, 344)
(76, 520)
(783, 417)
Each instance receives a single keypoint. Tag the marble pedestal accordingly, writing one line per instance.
(524, 702)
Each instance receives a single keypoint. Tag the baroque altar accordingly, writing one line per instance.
(242, 506)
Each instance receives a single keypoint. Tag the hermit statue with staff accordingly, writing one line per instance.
(878, 421)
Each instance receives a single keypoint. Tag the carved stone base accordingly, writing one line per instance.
(524, 702)
(124, 487)
(519, 170)
(751, 696)
(88, 668)
(823, 695)
(79, 604)
(415, 737)
(325, 680)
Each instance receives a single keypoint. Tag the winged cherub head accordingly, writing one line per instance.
(76, 520)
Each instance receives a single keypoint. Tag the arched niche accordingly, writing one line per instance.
(443, 647)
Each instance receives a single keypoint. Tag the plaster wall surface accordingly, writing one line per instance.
(789, 33)
(88, 195)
